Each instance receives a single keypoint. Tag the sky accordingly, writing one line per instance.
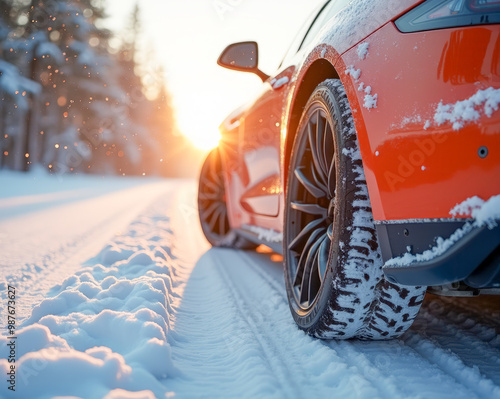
(186, 38)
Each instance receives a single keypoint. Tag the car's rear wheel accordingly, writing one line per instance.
(333, 266)
(212, 207)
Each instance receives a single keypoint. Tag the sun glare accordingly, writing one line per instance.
(201, 128)
(204, 139)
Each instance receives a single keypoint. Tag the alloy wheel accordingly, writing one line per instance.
(312, 207)
(212, 197)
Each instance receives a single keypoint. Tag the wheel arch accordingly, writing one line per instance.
(319, 71)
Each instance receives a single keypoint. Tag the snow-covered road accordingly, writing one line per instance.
(118, 295)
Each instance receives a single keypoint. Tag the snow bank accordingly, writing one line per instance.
(103, 331)
(485, 213)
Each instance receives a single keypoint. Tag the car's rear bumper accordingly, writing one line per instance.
(472, 254)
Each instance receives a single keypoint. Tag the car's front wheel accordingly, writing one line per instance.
(212, 206)
(333, 266)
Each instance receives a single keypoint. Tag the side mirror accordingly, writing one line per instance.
(242, 57)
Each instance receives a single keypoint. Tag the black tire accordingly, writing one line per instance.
(333, 266)
(212, 208)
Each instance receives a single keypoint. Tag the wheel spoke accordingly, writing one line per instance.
(215, 176)
(320, 138)
(332, 179)
(212, 171)
(327, 147)
(209, 196)
(316, 158)
(222, 221)
(303, 293)
(307, 260)
(206, 213)
(329, 232)
(317, 179)
(304, 234)
(214, 217)
(212, 186)
(211, 201)
(311, 209)
(302, 264)
(323, 257)
(312, 188)
(314, 281)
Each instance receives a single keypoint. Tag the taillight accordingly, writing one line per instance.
(438, 14)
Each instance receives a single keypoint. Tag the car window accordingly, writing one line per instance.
(299, 38)
(330, 9)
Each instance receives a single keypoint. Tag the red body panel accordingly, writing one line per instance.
(415, 172)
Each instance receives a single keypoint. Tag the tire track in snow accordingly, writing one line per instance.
(399, 371)
(475, 384)
(401, 368)
(257, 323)
(463, 355)
(212, 344)
(105, 333)
(262, 265)
(486, 308)
(472, 326)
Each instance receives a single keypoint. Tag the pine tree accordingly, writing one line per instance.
(83, 108)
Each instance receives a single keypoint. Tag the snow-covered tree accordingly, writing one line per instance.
(19, 97)
(84, 108)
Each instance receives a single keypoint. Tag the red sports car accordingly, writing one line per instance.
(370, 160)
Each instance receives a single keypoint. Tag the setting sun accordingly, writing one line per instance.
(201, 131)
(203, 139)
